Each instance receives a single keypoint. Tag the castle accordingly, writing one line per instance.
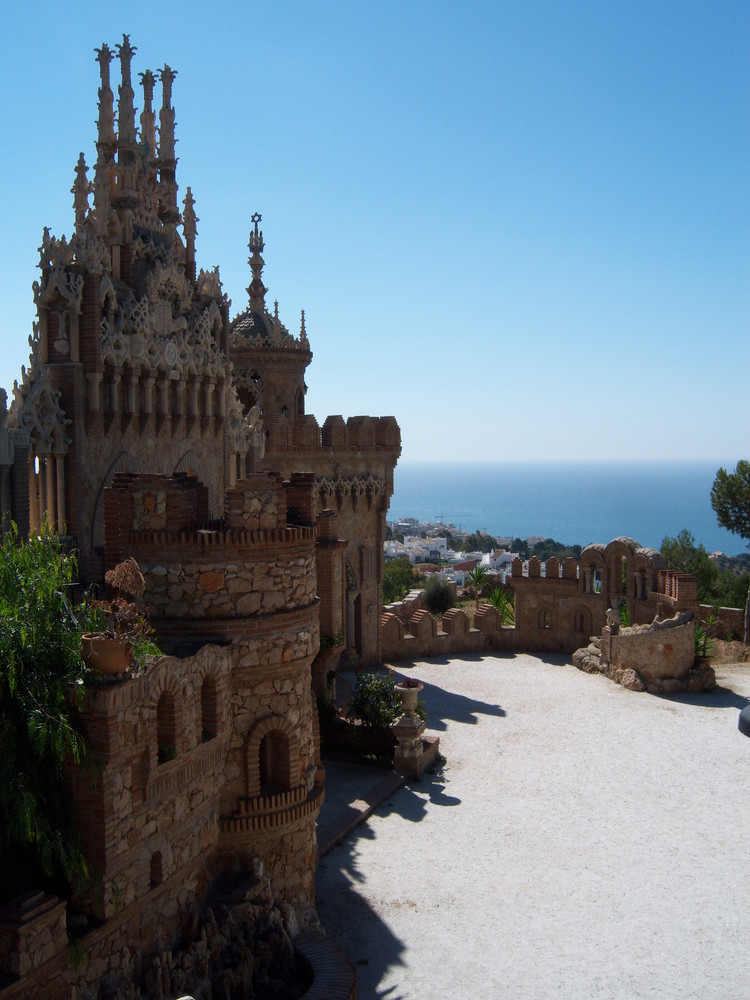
(149, 424)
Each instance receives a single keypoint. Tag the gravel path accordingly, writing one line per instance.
(581, 841)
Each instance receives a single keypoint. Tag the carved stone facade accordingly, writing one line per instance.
(135, 366)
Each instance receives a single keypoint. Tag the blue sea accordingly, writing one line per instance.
(574, 503)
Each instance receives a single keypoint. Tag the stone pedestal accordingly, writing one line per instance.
(408, 758)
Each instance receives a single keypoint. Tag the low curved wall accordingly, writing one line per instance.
(660, 651)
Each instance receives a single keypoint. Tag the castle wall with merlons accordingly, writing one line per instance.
(554, 612)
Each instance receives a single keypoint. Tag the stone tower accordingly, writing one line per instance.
(351, 461)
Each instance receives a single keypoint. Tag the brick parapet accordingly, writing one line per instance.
(334, 976)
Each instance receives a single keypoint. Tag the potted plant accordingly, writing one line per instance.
(120, 625)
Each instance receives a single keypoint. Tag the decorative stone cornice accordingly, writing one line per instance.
(36, 406)
(349, 486)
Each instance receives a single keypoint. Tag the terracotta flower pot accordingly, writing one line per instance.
(105, 654)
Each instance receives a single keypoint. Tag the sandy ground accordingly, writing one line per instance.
(581, 841)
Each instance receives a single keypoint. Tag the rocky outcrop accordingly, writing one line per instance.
(242, 945)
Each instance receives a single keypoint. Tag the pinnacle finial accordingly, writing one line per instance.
(125, 108)
(148, 119)
(189, 218)
(81, 190)
(255, 244)
(104, 58)
(256, 289)
(126, 51)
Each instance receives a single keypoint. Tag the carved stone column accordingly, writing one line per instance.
(193, 398)
(60, 479)
(94, 380)
(131, 393)
(208, 397)
(5, 497)
(114, 392)
(50, 490)
(148, 395)
(164, 396)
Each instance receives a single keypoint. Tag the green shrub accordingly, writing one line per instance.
(439, 595)
(40, 641)
(375, 701)
(704, 643)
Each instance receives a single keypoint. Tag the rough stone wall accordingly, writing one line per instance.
(657, 651)
(729, 621)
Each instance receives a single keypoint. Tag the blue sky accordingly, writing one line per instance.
(521, 228)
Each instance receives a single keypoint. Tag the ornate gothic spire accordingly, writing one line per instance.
(168, 210)
(80, 191)
(106, 142)
(125, 128)
(256, 289)
(189, 219)
(106, 138)
(125, 108)
(148, 118)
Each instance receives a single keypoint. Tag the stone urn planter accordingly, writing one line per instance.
(409, 693)
(106, 654)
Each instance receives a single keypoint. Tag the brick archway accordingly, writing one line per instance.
(282, 751)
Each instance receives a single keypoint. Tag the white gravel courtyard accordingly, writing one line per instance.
(581, 841)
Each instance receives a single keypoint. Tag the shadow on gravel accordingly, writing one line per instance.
(411, 801)
(720, 697)
(442, 706)
(347, 917)
(350, 920)
(456, 658)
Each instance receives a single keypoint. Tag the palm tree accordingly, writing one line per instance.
(503, 601)
(477, 577)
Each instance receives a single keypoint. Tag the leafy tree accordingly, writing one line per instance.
(39, 658)
(520, 546)
(731, 589)
(439, 594)
(479, 543)
(730, 499)
(549, 547)
(683, 555)
(399, 577)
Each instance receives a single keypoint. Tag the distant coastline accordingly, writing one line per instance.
(575, 503)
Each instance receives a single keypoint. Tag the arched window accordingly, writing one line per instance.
(274, 763)
(166, 728)
(545, 618)
(157, 871)
(209, 709)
